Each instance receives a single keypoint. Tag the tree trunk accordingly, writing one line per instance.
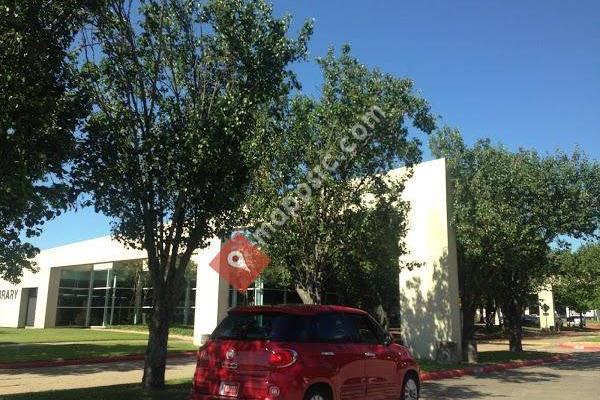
(490, 316)
(156, 353)
(514, 326)
(304, 296)
(469, 344)
(382, 317)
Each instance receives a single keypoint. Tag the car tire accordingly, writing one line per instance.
(317, 393)
(410, 388)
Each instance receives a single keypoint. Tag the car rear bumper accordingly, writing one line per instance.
(196, 396)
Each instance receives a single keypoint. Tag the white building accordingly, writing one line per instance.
(99, 282)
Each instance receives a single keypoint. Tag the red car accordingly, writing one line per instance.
(303, 352)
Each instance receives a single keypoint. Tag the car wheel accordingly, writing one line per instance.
(410, 389)
(317, 394)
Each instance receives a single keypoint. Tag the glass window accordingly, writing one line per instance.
(273, 296)
(72, 297)
(322, 328)
(263, 326)
(118, 296)
(70, 317)
(70, 278)
(96, 316)
(100, 278)
(330, 328)
(99, 297)
(366, 329)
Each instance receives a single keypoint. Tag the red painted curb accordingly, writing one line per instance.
(96, 360)
(485, 369)
(580, 346)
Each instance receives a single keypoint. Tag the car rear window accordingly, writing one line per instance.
(281, 327)
(263, 326)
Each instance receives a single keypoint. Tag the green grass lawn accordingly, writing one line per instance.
(175, 390)
(593, 339)
(20, 345)
(486, 357)
(181, 330)
(56, 335)
(63, 351)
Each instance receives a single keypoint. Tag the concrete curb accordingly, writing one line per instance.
(486, 369)
(590, 346)
(96, 360)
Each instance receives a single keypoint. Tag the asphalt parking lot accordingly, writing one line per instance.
(576, 379)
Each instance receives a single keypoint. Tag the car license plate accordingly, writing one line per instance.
(228, 389)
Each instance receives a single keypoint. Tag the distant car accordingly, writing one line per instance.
(303, 353)
(576, 321)
(531, 320)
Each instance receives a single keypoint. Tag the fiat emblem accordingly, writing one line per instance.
(230, 354)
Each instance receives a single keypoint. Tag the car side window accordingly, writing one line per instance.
(330, 328)
(367, 331)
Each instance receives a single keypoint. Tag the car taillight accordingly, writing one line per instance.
(203, 356)
(281, 358)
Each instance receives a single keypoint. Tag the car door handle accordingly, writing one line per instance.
(327, 353)
(370, 355)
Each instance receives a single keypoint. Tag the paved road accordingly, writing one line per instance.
(71, 377)
(577, 379)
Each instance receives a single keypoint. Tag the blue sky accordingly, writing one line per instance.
(524, 73)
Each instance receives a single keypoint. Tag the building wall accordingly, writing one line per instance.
(47, 279)
(10, 302)
(429, 294)
(430, 306)
(212, 294)
(547, 319)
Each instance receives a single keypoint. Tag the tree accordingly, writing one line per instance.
(183, 94)
(324, 207)
(577, 284)
(39, 110)
(508, 209)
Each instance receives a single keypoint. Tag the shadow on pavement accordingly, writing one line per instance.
(439, 390)
(477, 387)
(580, 361)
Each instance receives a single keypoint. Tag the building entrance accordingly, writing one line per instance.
(31, 305)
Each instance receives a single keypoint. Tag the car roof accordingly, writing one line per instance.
(299, 309)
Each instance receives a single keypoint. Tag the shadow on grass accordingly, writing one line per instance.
(73, 351)
(87, 369)
(179, 390)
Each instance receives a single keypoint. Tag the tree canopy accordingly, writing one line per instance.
(509, 207)
(322, 207)
(183, 94)
(577, 283)
(40, 107)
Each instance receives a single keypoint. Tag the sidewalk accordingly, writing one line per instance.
(545, 343)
